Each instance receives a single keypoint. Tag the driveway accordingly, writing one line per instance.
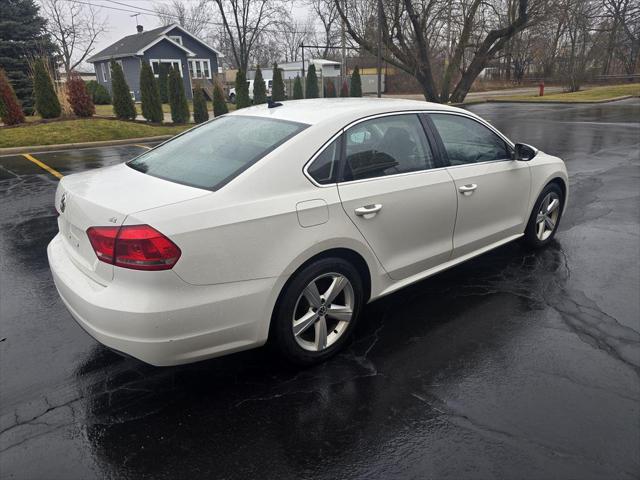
(513, 365)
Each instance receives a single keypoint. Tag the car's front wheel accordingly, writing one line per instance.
(545, 217)
(317, 311)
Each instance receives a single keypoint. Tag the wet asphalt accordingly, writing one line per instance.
(513, 365)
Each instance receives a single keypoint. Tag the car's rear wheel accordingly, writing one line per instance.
(545, 217)
(317, 311)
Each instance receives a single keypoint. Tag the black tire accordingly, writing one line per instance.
(531, 237)
(282, 336)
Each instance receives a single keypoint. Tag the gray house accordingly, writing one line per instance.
(196, 61)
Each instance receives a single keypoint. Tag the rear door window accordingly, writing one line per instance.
(211, 155)
(386, 146)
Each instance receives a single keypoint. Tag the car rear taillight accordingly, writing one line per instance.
(139, 247)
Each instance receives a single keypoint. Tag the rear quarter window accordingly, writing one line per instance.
(211, 155)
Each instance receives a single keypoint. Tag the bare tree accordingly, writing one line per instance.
(74, 27)
(444, 44)
(246, 22)
(624, 34)
(327, 13)
(293, 33)
(193, 17)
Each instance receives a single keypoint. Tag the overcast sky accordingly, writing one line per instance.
(122, 23)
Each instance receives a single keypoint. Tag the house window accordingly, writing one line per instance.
(170, 62)
(200, 68)
(103, 67)
(176, 38)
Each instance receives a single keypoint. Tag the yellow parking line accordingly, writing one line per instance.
(142, 146)
(46, 167)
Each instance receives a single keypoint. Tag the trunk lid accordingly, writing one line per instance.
(104, 197)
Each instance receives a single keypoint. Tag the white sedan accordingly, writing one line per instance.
(278, 224)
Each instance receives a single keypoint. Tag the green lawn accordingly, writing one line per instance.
(76, 131)
(589, 94)
(107, 110)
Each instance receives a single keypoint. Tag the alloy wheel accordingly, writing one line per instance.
(547, 217)
(323, 312)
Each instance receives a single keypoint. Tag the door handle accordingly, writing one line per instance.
(468, 189)
(368, 211)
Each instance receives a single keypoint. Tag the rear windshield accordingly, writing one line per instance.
(213, 154)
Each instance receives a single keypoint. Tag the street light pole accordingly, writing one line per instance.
(379, 59)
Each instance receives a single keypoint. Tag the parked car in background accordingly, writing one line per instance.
(279, 224)
(268, 85)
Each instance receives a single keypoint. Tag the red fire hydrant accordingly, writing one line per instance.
(541, 88)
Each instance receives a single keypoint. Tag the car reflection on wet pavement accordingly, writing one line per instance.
(513, 365)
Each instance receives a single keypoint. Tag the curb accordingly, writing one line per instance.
(559, 102)
(69, 146)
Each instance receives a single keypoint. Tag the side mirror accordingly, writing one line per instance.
(524, 152)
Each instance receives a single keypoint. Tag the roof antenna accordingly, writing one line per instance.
(273, 104)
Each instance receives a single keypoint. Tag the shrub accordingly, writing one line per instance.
(277, 92)
(297, 89)
(123, 106)
(219, 102)
(47, 103)
(344, 91)
(150, 95)
(200, 113)
(356, 84)
(177, 98)
(99, 94)
(79, 97)
(10, 110)
(330, 90)
(242, 90)
(163, 82)
(311, 90)
(259, 88)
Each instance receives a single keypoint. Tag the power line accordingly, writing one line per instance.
(153, 13)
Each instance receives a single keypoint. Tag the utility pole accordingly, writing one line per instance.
(343, 32)
(379, 60)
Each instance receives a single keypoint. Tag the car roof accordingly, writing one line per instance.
(319, 110)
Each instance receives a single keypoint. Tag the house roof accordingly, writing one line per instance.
(137, 43)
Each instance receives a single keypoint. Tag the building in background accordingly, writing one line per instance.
(170, 45)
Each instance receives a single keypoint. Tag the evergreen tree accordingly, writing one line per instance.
(277, 91)
(123, 106)
(356, 84)
(177, 98)
(344, 91)
(200, 113)
(22, 37)
(163, 82)
(311, 90)
(259, 88)
(242, 91)
(99, 94)
(219, 102)
(331, 89)
(150, 95)
(10, 110)
(79, 97)
(297, 89)
(47, 103)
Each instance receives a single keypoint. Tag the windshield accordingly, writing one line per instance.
(213, 154)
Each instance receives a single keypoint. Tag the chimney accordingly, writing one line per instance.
(139, 28)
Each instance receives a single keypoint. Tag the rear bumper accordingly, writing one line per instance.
(158, 318)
